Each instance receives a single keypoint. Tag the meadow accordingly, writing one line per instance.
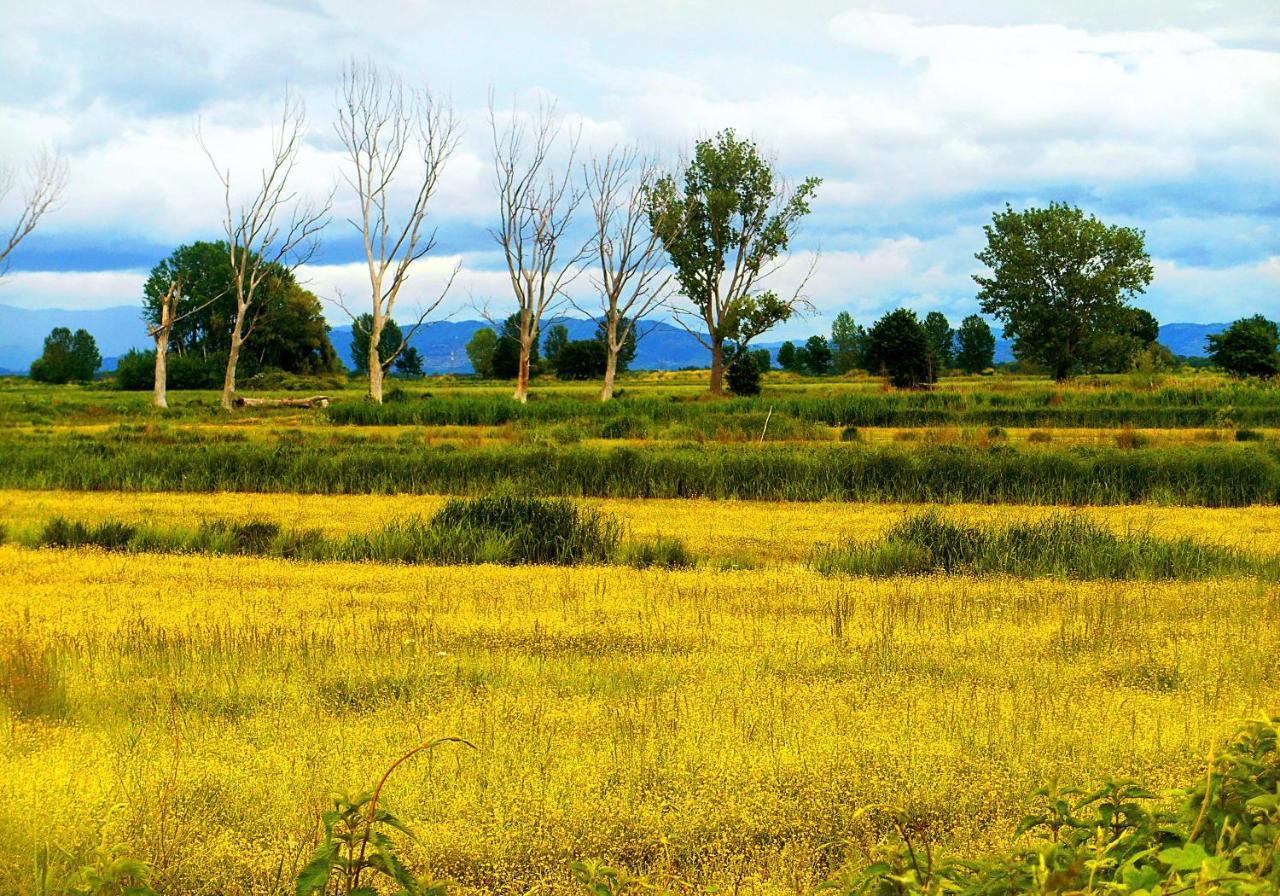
(761, 639)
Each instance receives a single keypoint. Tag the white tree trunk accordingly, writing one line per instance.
(610, 371)
(375, 361)
(160, 394)
(522, 374)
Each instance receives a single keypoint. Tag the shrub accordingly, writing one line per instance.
(1040, 437)
(533, 530)
(850, 434)
(136, 371)
(1249, 435)
(742, 375)
(1129, 438)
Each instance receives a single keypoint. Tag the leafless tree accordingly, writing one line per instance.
(631, 263)
(537, 198)
(397, 140)
(45, 185)
(269, 233)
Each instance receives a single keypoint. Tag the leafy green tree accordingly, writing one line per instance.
(846, 343)
(409, 364)
(976, 345)
(391, 339)
(1061, 282)
(763, 362)
(941, 337)
(1249, 347)
(287, 326)
(742, 375)
(480, 349)
(135, 370)
(554, 342)
(291, 334)
(787, 357)
(627, 351)
(723, 226)
(506, 353)
(899, 348)
(67, 358)
(816, 356)
(581, 359)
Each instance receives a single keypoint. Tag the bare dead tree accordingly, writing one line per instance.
(160, 332)
(46, 182)
(395, 137)
(269, 233)
(537, 198)
(633, 276)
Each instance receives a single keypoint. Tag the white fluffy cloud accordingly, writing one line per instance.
(920, 121)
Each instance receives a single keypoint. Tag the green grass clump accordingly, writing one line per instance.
(660, 553)
(506, 530)
(530, 530)
(1066, 546)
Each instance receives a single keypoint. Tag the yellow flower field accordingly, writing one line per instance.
(706, 727)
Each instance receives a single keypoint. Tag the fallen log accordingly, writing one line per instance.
(314, 401)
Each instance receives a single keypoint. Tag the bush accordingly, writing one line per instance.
(136, 371)
(742, 375)
(850, 434)
(1249, 435)
(530, 530)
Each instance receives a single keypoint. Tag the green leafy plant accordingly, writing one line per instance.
(110, 871)
(357, 849)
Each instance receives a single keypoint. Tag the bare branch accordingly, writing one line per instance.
(537, 199)
(47, 180)
(270, 232)
(393, 136)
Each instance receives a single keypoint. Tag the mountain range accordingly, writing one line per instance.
(662, 346)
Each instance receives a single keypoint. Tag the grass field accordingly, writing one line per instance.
(720, 727)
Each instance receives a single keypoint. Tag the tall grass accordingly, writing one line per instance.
(1223, 475)
(1169, 407)
(502, 529)
(1067, 546)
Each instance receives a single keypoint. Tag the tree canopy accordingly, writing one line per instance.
(899, 347)
(287, 331)
(1061, 282)
(724, 224)
(1249, 347)
(68, 357)
(976, 345)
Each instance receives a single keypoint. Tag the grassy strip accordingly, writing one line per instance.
(1211, 475)
(1171, 407)
(504, 529)
(1067, 546)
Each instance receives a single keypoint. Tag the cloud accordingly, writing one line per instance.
(72, 289)
(1157, 113)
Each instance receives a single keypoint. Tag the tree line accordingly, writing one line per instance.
(701, 242)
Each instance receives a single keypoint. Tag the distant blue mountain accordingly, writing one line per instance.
(442, 344)
(22, 332)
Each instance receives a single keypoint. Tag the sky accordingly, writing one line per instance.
(921, 118)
